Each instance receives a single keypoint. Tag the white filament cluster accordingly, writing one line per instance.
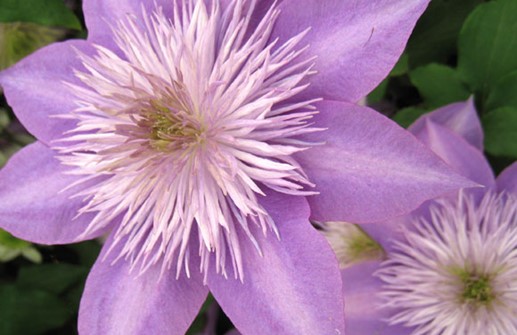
(456, 273)
(179, 132)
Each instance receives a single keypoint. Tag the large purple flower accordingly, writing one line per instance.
(451, 266)
(203, 135)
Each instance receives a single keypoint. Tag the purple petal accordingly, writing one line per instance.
(456, 151)
(117, 301)
(507, 180)
(101, 16)
(370, 169)
(294, 288)
(460, 117)
(35, 88)
(363, 315)
(32, 206)
(357, 42)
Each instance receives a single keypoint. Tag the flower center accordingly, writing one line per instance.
(170, 129)
(477, 290)
(181, 130)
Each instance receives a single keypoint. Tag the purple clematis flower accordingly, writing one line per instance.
(448, 268)
(203, 135)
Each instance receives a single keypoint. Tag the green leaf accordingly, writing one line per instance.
(52, 13)
(438, 84)
(488, 45)
(11, 247)
(500, 128)
(4, 119)
(12, 242)
(435, 36)
(504, 93)
(29, 311)
(401, 67)
(7, 255)
(20, 39)
(54, 278)
(32, 254)
(405, 117)
(379, 92)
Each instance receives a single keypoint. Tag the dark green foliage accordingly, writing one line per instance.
(28, 311)
(439, 85)
(504, 92)
(501, 132)
(42, 298)
(488, 45)
(52, 13)
(435, 35)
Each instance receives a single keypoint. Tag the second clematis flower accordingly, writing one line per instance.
(451, 266)
(203, 135)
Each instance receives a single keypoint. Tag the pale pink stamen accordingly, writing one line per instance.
(181, 130)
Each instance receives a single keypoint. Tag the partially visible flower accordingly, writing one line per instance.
(11, 248)
(456, 273)
(350, 242)
(450, 267)
(202, 135)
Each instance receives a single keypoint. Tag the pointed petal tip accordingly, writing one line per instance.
(457, 152)
(370, 169)
(460, 117)
(357, 42)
